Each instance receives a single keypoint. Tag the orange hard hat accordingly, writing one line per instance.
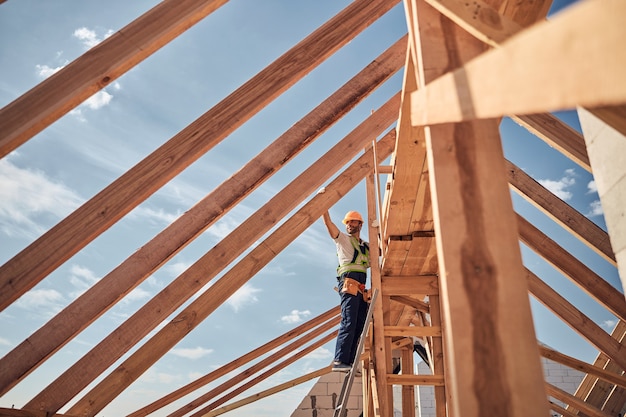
(352, 215)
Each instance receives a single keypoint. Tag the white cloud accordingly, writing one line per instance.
(295, 316)
(89, 37)
(153, 376)
(26, 195)
(177, 268)
(560, 187)
(244, 296)
(609, 323)
(592, 187)
(195, 353)
(44, 301)
(45, 71)
(595, 209)
(4, 342)
(159, 216)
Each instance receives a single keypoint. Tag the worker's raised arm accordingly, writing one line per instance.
(333, 231)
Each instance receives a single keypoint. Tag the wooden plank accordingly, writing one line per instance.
(614, 116)
(578, 321)
(381, 343)
(479, 19)
(407, 188)
(191, 281)
(266, 393)
(419, 331)
(472, 261)
(558, 135)
(409, 285)
(141, 264)
(592, 390)
(411, 302)
(393, 379)
(567, 398)
(61, 242)
(38, 108)
(239, 362)
(546, 57)
(564, 412)
(584, 367)
(436, 357)
(408, 391)
(558, 210)
(590, 282)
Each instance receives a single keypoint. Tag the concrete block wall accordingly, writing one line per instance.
(321, 400)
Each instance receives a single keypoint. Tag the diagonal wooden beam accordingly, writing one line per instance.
(567, 398)
(590, 282)
(574, 318)
(524, 77)
(268, 392)
(61, 242)
(59, 330)
(584, 367)
(220, 291)
(558, 210)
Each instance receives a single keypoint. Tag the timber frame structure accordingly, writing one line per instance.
(466, 65)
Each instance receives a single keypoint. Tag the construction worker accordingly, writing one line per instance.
(353, 257)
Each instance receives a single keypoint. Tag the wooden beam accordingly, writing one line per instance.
(590, 282)
(419, 331)
(381, 342)
(38, 108)
(266, 393)
(593, 390)
(472, 263)
(564, 412)
(614, 116)
(235, 278)
(558, 135)
(558, 210)
(579, 322)
(409, 285)
(567, 398)
(140, 265)
(479, 19)
(408, 391)
(584, 367)
(539, 70)
(393, 379)
(411, 302)
(191, 281)
(238, 363)
(61, 242)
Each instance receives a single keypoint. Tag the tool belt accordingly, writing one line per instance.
(353, 287)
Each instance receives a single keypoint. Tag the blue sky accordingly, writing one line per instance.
(65, 165)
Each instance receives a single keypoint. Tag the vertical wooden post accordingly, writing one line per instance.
(493, 365)
(408, 391)
(381, 346)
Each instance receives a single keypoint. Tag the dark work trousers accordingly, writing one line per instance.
(353, 315)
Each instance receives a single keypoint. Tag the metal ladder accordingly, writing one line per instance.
(344, 395)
